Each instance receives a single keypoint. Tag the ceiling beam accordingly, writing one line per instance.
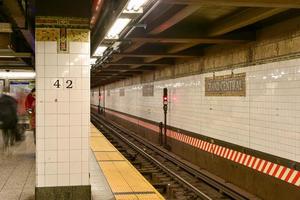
(165, 55)
(145, 64)
(5, 28)
(176, 18)
(174, 49)
(14, 64)
(4, 40)
(240, 3)
(111, 75)
(242, 19)
(179, 16)
(11, 54)
(203, 40)
(178, 48)
(239, 20)
(134, 46)
(131, 48)
(103, 73)
(127, 69)
(15, 11)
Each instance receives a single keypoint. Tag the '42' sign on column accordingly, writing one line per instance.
(68, 82)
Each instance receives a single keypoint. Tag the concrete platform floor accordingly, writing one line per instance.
(17, 170)
(17, 173)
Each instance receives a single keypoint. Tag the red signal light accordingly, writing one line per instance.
(165, 98)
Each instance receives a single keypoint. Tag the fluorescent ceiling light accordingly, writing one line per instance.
(28, 75)
(93, 61)
(100, 50)
(135, 4)
(117, 28)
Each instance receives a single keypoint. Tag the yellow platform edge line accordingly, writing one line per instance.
(117, 174)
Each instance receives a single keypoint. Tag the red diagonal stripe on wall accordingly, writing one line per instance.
(230, 154)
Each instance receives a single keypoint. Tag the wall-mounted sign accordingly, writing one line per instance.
(122, 92)
(68, 84)
(148, 90)
(228, 85)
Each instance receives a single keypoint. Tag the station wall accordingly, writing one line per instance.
(267, 119)
(94, 96)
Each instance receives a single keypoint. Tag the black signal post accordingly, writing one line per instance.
(165, 107)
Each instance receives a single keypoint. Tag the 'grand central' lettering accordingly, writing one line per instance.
(229, 85)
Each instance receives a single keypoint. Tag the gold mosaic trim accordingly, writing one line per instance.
(53, 34)
(61, 22)
(46, 34)
(78, 35)
(63, 36)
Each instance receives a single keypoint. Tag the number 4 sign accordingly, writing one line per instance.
(69, 84)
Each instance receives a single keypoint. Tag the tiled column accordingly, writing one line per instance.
(63, 113)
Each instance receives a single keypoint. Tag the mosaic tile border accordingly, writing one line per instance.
(63, 30)
(61, 22)
(63, 36)
(54, 34)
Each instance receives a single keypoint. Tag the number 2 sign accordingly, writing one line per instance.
(69, 84)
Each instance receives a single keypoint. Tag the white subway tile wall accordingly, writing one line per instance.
(63, 114)
(267, 119)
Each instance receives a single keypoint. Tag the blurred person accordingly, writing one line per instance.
(8, 119)
(32, 120)
(30, 108)
(29, 100)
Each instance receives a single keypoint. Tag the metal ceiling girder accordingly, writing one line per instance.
(242, 19)
(15, 55)
(239, 3)
(145, 64)
(165, 55)
(5, 28)
(179, 16)
(5, 41)
(202, 40)
(238, 20)
(127, 69)
(14, 64)
(15, 11)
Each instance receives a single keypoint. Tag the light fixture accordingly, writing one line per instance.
(135, 5)
(27, 75)
(100, 50)
(93, 61)
(117, 28)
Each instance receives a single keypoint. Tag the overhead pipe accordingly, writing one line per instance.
(96, 8)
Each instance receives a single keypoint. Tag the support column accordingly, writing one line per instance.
(62, 108)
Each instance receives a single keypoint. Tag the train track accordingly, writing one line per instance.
(172, 177)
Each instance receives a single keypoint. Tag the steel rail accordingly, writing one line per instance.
(216, 184)
(226, 188)
(141, 151)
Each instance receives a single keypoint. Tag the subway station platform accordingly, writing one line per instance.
(111, 175)
(17, 170)
(124, 180)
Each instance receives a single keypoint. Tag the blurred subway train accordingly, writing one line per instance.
(18, 84)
